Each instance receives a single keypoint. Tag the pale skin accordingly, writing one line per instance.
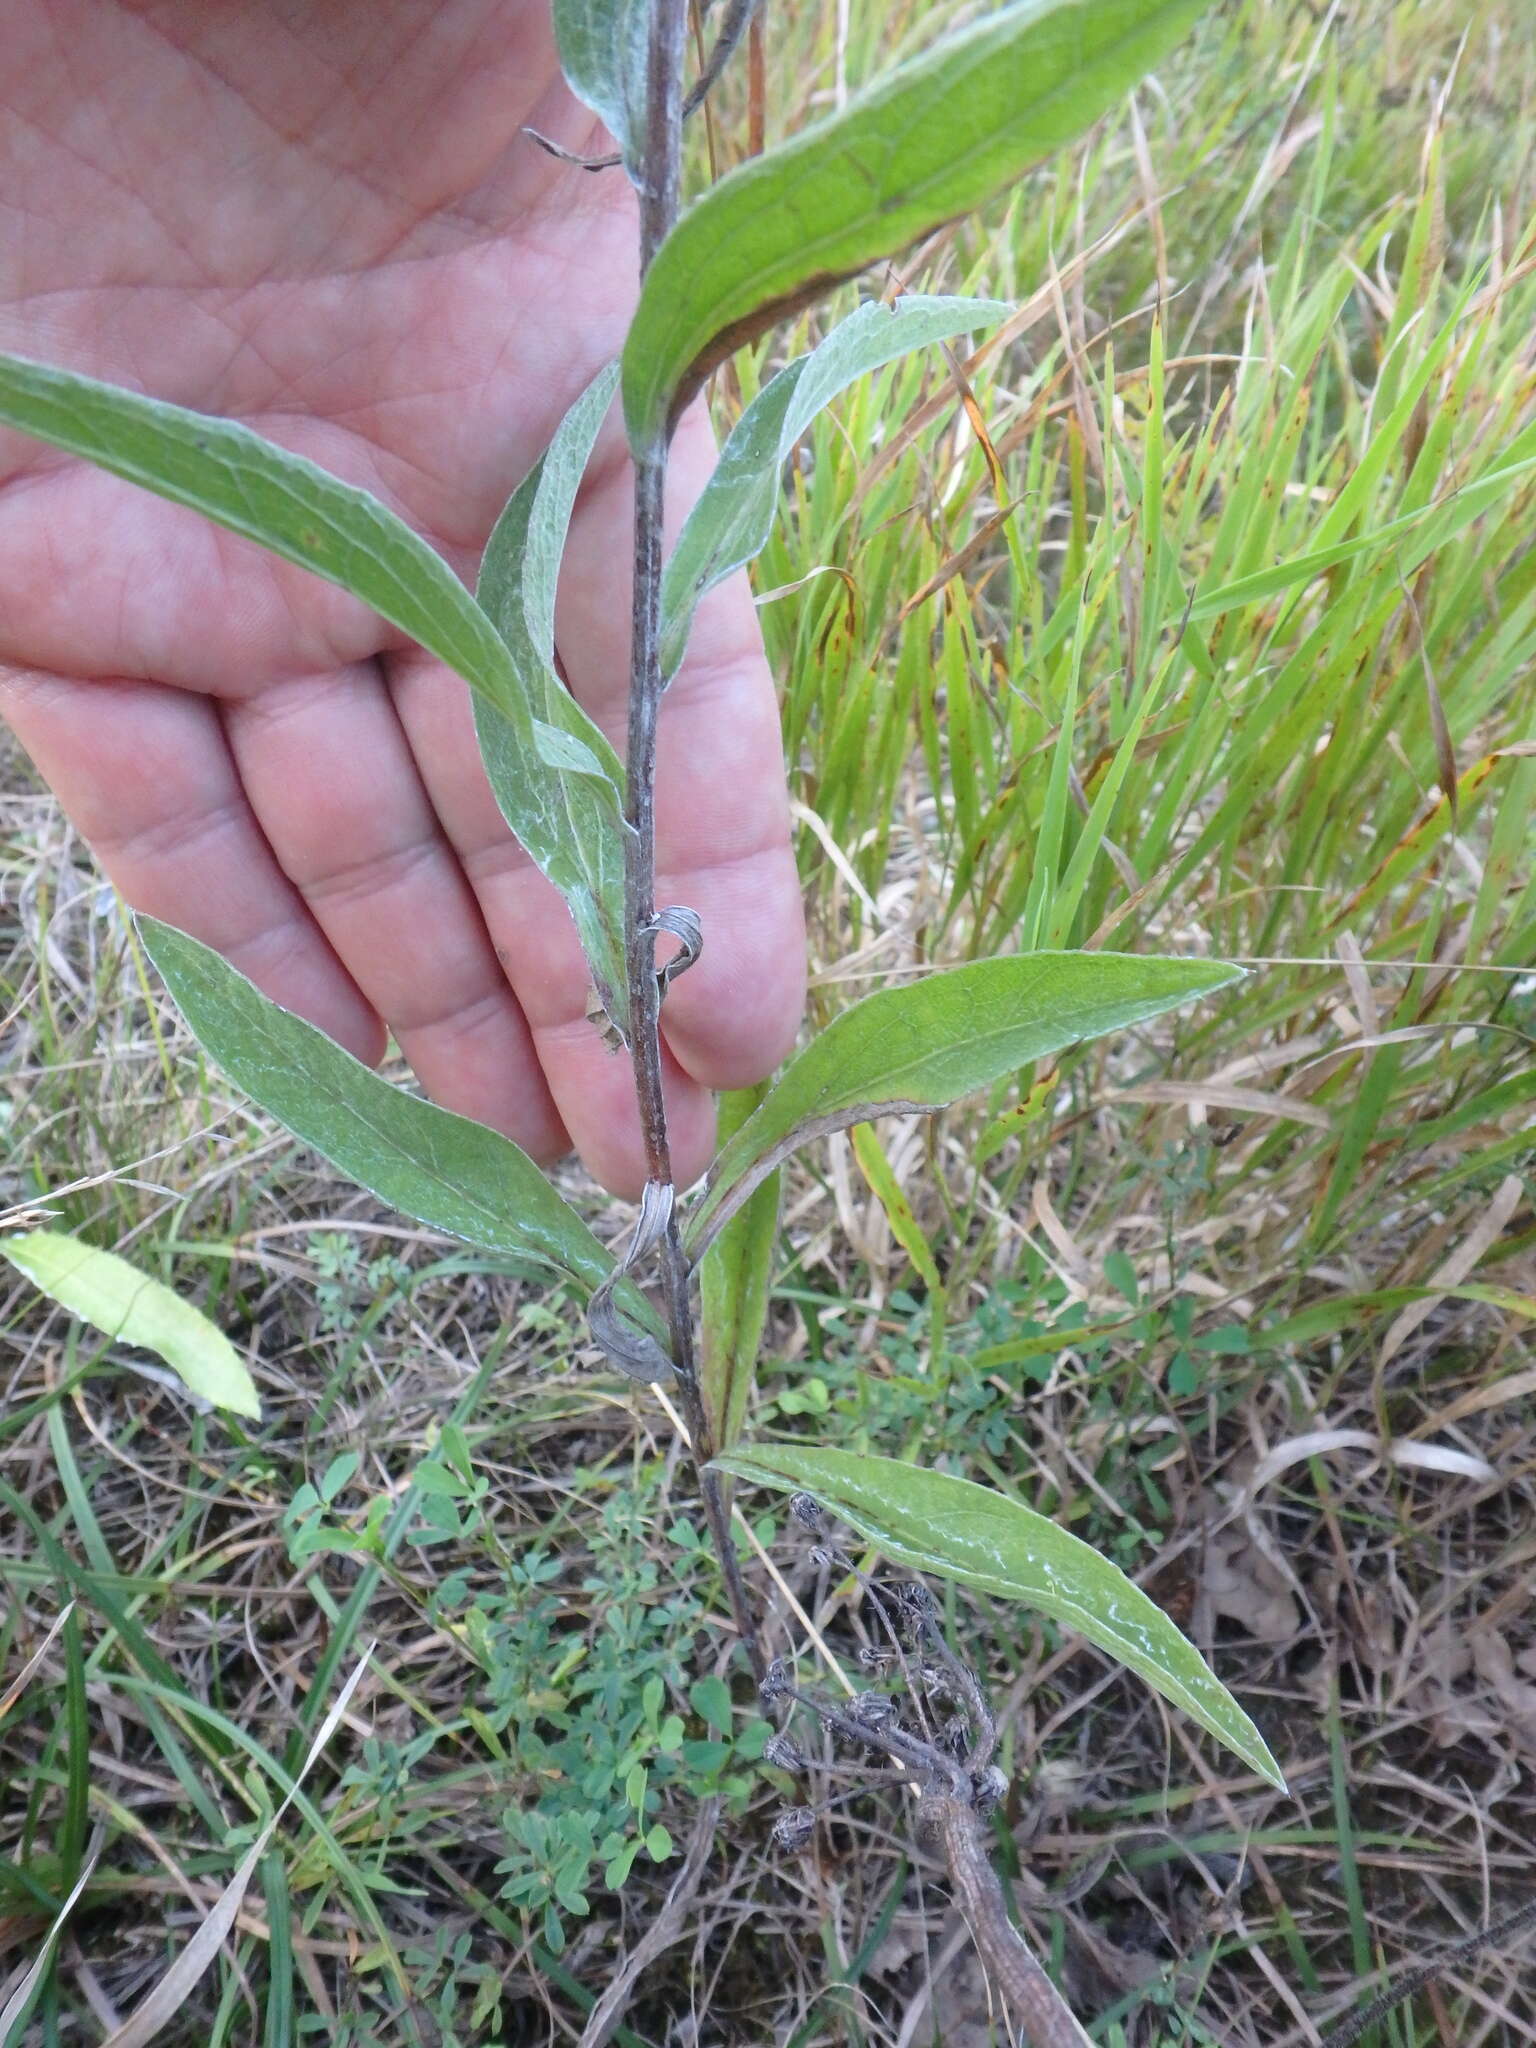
(322, 219)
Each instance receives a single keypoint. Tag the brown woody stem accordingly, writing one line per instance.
(1043, 2013)
(658, 211)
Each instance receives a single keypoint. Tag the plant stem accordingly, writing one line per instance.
(658, 211)
(1045, 2016)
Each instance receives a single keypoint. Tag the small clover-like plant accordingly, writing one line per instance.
(928, 142)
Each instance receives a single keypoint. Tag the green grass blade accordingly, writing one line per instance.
(17, 2009)
(279, 2019)
(77, 1737)
(733, 1285)
(92, 1588)
(1435, 524)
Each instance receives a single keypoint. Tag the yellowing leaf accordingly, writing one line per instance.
(120, 1301)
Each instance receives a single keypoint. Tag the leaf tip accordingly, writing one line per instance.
(1264, 1763)
(244, 1401)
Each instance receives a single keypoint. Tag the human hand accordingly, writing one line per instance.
(324, 221)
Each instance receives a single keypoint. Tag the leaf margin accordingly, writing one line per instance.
(746, 478)
(183, 960)
(977, 62)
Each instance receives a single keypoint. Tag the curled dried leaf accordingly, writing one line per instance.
(597, 1014)
(686, 927)
(635, 1352)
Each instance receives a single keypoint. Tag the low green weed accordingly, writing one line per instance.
(346, 1282)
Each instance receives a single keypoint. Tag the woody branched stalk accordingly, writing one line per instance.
(948, 1761)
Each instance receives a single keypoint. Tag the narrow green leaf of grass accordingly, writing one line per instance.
(92, 1589)
(236, 1992)
(1433, 525)
(1344, 1824)
(875, 1166)
(77, 1493)
(880, 1926)
(733, 1285)
(279, 2020)
(1349, 1311)
(1357, 1136)
(935, 1522)
(77, 1741)
(164, 2002)
(1485, 1106)
(17, 2008)
(1046, 1344)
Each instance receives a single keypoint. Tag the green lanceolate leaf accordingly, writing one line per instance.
(120, 1301)
(931, 140)
(558, 781)
(282, 502)
(733, 1288)
(733, 519)
(934, 1522)
(455, 1175)
(602, 46)
(926, 1045)
(298, 511)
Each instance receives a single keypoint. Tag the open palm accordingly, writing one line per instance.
(324, 220)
